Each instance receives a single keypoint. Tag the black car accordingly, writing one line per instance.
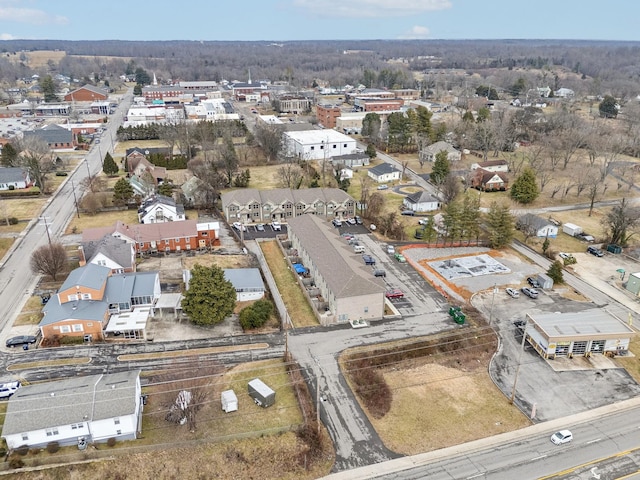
(595, 251)
(533, 282)
(20, 340)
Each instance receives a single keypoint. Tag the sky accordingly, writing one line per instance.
(284, 20)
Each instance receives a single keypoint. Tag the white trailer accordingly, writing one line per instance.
(571, 229)
(229, 401)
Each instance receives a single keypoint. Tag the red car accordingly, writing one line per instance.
(395, 293)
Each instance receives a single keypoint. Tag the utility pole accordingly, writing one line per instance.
(75, 199)
(45, 222)
(515, 380)
(493, 299)
(86, 159)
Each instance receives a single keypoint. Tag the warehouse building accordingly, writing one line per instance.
(585, 333)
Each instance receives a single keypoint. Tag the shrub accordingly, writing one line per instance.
(16, 462)
(71, 340)
(111, 442)
(22, 450)
(53, 447)
(256, 315)
(13, 221)
(12, 187)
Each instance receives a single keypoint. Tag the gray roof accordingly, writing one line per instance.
(73, 400)
(533, 221)
(588, 323)
(345, 273)
(13, 174)
(382, 169)
(120, 288)
(244, 278)
(51, 134)
(91, 276)
(91, 88)
(439, 146)
(278, 196)
(111, 247)
(55, 312)
(421, 197)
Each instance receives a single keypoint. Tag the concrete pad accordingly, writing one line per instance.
(595, 362)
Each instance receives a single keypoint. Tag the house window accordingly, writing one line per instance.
(86, 296)
(52, 431)
(25, 436)
(141, 244)
(204, 234)
(77, 327)
(366, 309)
(65, 329)
(90, 324)
(102, 263)
(345, 145)
(72, 298)
(118, 432)
(116, 421)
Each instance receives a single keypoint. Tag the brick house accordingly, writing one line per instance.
(489, 181)
(161, 237)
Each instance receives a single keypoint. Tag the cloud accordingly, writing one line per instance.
(371, 8)
(416, 33)
(10, 13)
(6, 36)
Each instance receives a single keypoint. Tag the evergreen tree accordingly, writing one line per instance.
(109, 166)
(122, 192)
(49, 89)
(371, 125)
(555, 272)
(371, 151)
(608, 107)
(137, 91)
(441, 167)
(210, 297)
(525, 188)
(501, 225)
(166, 189)
(9, 156)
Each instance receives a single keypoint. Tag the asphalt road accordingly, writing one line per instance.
(17, 283)
(604, 447)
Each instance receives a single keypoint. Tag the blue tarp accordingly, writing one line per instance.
(299, 268)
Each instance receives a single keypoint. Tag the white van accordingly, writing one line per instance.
(8, 389)
(358, 248)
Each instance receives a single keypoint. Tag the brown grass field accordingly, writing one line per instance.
(297, 305)
(103, 219)
(250, 443)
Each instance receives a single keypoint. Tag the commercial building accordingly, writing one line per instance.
(584, 333)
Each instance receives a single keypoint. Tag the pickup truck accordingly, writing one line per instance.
(369, 260)
(394, 293)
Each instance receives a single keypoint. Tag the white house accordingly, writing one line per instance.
(317, 144)
(346, 174)
(492, 166)
(160, 209)
(384, 173)
(14, 178)
(96, 408)
(428, 154)
(421, 202)
(537, 226)
(247, 282)
(564, 93)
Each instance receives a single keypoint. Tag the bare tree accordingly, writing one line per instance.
(450, 188)
(49, 260)
(290, 175)
(270, 138)
(36, 156)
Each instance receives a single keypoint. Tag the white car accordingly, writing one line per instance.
(563, 436)
(8, 389)
(260, 227)
(276, 226)
(240, 227)
(513, 292)
(564, 255)
(391, 249)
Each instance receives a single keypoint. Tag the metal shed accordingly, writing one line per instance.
(261, 393)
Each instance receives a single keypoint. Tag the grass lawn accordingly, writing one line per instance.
(5, 245)
(104, 219)
(31, 314)
(297, 305)
(632, 363)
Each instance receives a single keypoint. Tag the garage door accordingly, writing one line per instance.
(562, 349)
(579, 348)
(597, 346)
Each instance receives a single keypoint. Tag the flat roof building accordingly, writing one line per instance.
(584, 333)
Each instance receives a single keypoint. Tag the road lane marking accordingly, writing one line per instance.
(539, 458)
(594, 441)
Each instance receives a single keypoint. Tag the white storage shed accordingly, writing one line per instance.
(229, 401)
